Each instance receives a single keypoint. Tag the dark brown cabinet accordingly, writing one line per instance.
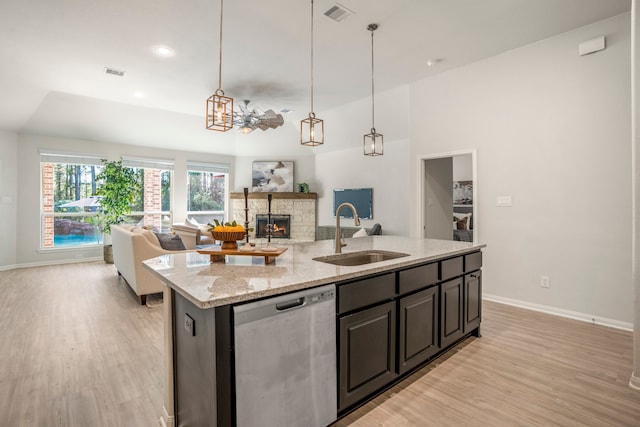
(367, 352)
(451, 304)
(418, 328)
(472, 301)
(390, 324)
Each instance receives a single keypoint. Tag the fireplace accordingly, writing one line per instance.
(281, 225)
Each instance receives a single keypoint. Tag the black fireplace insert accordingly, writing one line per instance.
(281, 225)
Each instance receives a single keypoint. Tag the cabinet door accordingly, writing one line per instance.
(419, 322)
(451, 304)
(366, 352)
(472, 301)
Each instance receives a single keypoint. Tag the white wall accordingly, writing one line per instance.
(8, 198)
(340, 162)
(552, 130)
(28, 161)
(462, 168)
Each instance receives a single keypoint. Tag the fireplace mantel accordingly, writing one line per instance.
(256, 195)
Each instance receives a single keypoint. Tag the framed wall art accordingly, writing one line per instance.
(273, 176)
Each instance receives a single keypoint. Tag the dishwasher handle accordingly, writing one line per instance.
(283, 304)
(290, 304)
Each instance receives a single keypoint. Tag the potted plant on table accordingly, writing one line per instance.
(118, 188)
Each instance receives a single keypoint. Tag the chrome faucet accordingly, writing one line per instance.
(339, 243)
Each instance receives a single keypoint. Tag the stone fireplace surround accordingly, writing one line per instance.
(301, 207)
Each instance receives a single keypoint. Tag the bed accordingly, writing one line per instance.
(463, 223)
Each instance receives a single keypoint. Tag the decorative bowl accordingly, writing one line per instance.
(229, 238)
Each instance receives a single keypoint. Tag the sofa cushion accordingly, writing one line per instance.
(148, 234)
(170, 242)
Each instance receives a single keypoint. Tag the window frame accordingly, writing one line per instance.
(65, 159)
(214, 168)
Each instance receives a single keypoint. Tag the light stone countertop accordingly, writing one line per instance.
(244, 278)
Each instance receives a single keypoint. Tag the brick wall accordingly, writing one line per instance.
(47, 204)
(152, 197)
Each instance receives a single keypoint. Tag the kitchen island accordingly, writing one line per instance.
(437, 286)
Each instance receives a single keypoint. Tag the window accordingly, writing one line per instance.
(153, 205)
(207, 192)
(68, 204)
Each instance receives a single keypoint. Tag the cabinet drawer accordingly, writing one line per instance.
(451, 267)
(366, 292)
(473, 261)
(417, 278)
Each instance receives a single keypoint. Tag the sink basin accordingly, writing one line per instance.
(360, 258)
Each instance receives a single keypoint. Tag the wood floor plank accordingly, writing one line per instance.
(78, 350)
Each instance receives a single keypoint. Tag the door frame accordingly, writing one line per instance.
(421, 187)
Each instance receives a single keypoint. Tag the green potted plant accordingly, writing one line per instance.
(119, 186)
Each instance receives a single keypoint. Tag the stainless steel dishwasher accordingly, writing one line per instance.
(285, 355)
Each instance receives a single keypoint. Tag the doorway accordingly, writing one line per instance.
(449, 188)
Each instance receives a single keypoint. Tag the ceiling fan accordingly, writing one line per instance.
(250, 118)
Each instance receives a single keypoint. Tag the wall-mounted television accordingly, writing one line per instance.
(361, 198)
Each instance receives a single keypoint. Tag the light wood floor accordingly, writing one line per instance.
(76, 349)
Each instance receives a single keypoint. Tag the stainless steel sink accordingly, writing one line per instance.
(360, 258)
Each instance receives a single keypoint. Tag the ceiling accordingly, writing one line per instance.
(53, 55)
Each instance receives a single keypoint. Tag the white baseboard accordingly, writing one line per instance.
(166, 420)
(8, 267)
(45, 263)
(634, 382)
(583, 317)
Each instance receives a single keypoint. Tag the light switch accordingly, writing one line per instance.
(504, 201)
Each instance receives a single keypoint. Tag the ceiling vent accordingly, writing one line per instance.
(114, 72)
(338, 13)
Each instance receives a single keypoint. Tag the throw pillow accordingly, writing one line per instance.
(170, 242)
(360, 233)
(459, 216)
(461, 224)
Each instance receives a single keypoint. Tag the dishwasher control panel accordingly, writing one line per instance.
(322, 296)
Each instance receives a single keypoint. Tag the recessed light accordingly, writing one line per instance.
(434, 61)
(163, 51)
(138, 94)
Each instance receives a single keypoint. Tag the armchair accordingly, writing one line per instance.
(193, 234)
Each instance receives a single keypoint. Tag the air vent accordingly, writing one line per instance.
(338, 13)
(114, 72)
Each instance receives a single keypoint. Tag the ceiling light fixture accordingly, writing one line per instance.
(373, 142)
(311, 128)
(220, 107)
(434, 61)
(163, 51)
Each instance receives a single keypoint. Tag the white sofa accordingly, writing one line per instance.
(131, 246)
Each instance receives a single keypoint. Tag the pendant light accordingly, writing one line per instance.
(373, 142)
(220, 107)
(311, 128)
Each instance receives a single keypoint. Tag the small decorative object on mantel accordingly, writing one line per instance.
(274, 176)
(303, 187)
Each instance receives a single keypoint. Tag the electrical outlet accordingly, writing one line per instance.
(544, 281)
(189, 325)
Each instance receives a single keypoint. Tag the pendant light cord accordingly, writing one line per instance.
(220, 50)
(373, 100)
(311, 113)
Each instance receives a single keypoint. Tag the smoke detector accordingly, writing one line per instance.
(338, 13)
